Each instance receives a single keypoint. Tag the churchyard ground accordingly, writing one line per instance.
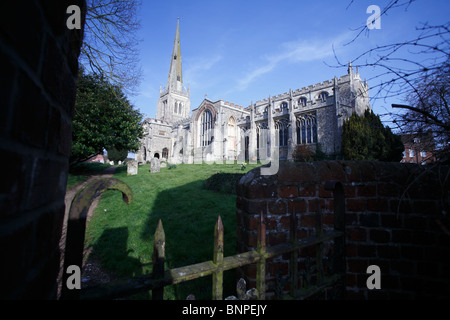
(120, 236)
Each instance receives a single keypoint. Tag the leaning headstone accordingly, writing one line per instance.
(132, 167)
(154, 165)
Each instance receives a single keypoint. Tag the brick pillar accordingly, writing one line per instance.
(39, 63)
(294, 190)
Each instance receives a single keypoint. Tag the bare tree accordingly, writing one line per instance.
(110, 41)
(415, 70)
(428, 109)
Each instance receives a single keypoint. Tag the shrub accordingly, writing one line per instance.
(171, 166)
(364, 137)
(223, 182)
(303, 153)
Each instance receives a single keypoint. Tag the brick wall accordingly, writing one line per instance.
(39, 63)
(393, 217)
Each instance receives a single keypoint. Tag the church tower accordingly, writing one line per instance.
(174, 103)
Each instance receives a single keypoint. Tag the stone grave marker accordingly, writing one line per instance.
(132, 167)
(155, 165)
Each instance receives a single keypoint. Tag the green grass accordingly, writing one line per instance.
(80, 172)
(121, 235)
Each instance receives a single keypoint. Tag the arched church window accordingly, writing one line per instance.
(284, 106)
(323, 96)
(175, 108)
(306, 129)
(231, 136)
(302, 102)
(206, 128)
(262, 134)
(180, 105)
(231, 126)
(282, 127)
(165, 153)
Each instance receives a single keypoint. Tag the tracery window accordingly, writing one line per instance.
(323, 96)
(306, 129)
(231, 136)
(302, 102)
(206, 128)
(282, 127)
(262, 135)
(165, 153)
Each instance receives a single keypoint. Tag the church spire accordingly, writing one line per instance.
(175, 80)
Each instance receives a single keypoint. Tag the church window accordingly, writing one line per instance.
(165, 153)
(323, 96)
(306, 129)
(266, 111)
(284, 106)
(179, 107)
(263, 139)
(206, 128)
(282, 127)
(231, 137)
(175, 107)
(302, 102)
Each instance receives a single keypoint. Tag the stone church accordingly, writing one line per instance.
(223, 131)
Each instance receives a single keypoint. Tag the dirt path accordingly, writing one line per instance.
(91, 271)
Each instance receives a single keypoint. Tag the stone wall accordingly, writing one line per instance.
(328, 133)
(39, 63)
(395, 218)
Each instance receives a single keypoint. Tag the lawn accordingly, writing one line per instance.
(81, 172)
(121, 236)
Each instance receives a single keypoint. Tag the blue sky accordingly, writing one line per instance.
(243, 51)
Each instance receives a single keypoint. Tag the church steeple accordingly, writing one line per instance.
(175, 80)
(174, 103)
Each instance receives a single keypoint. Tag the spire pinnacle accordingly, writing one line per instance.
(175, 80)
(350, 68)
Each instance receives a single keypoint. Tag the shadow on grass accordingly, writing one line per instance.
(111, 249)
(188, 214)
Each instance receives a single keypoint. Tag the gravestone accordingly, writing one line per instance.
(154, 165)
(132, 167)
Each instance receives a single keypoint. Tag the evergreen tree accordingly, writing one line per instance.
(117, 155)
(103, 119)
(365, 138)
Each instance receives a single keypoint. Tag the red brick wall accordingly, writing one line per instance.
(393, 212)
(39, 65)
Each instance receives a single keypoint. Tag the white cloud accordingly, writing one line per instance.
(204, 63)
(199, 65)
(294, 52)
